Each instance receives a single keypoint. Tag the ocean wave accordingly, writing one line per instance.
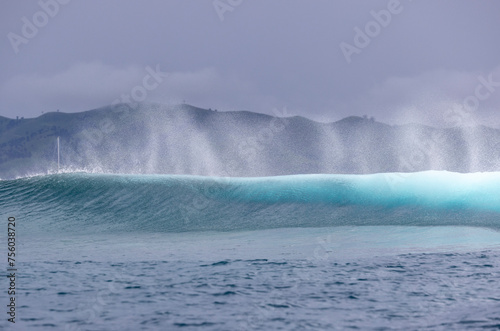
(89, 202)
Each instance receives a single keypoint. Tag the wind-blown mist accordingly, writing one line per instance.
(149, 138)
(206, 251)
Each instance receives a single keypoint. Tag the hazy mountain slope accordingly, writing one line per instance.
(188, 140)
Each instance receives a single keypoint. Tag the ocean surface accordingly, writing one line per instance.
(309, 252)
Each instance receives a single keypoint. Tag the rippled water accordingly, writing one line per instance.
(370, 278)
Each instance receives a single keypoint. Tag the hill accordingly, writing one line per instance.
(152, 138)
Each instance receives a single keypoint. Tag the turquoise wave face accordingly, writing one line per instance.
(82, 203)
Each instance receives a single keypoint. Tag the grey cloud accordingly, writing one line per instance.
(263, 55)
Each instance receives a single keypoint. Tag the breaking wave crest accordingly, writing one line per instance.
(83, 202)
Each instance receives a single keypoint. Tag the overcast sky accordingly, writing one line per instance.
(417, 61)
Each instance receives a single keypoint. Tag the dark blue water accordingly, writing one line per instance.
(282, 279)
(107, 252)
